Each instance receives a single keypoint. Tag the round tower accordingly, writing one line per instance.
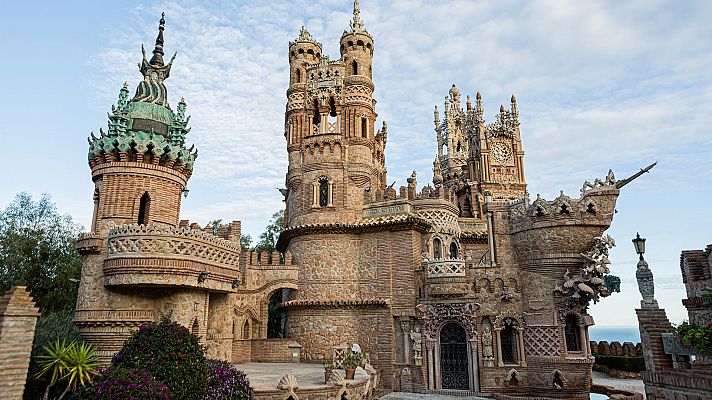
(302, 52)
(357, 47)
(140, 167)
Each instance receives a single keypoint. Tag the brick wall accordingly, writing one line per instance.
(18, 315)
(272, 350)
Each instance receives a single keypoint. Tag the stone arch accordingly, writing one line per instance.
(485, 284)
(280, 323)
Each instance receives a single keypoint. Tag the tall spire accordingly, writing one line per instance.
(356, 23)
(157, 58)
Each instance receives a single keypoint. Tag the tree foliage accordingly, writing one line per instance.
(268, 239)
(37, 249)
(245, 241)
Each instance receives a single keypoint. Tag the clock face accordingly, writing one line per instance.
(501, 153)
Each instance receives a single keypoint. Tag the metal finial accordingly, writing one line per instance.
(157, 58)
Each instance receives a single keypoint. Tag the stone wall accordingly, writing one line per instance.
(18, 315)
(616, 348)
(273, 350)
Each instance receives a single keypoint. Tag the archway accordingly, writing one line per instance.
(454, 368)
(277, 316)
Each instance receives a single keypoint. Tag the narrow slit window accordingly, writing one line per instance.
(299, 76)
(143, 209)
(364, 127)
(317, 117)
(355, 67)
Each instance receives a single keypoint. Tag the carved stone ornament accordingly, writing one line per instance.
(646, 285)
(417, 337)
(589, 283)
(436, 315)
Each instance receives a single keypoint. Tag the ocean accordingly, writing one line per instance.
(614, 333)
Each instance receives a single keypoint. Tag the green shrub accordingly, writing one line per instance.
(50, 328)
(170, 354)
(694, 336)
(629, 364)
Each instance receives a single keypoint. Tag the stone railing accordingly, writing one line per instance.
(445, 268)
(158, 255)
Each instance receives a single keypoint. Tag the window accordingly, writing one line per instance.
(364, 127)
(323, 193)
(246, 330)
(355, 68)
(299, 76)
(571, 332)
(453, 250)
(437, 249)
(143, 209)
(317, 116)
(509, 342)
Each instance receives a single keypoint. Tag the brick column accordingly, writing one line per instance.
(653, 322)
(18, 315)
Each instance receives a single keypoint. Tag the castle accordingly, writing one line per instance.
(466, 284)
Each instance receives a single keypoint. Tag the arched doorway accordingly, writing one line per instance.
(453, 357)
(277, 316)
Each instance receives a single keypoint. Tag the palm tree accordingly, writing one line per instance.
(73, 362)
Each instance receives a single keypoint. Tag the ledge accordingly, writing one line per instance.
(322, 304)
(140, 255)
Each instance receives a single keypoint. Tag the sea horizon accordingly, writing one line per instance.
(614, 333)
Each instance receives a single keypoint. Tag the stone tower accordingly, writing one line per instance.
(334, 152)
(138, 262)
(336, 164)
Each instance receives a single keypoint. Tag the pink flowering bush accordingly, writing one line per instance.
(124, 384)
(226, 382)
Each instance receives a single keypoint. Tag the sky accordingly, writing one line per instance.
(599, 85)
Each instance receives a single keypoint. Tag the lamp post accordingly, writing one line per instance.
(644, 276)
(639, 244)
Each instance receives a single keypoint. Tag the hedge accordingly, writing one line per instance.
(621, 363)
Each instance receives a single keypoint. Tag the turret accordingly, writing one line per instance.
(357, 47)
(303, 51)
(141, 167)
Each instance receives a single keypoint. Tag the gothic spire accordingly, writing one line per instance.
(157, 58)
(356, 23)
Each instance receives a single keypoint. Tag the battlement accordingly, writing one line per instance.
(255, 258)
(229, 231)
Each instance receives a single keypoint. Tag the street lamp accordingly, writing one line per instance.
(639, 244)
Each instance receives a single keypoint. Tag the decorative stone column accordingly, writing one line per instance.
(520, 340)
(474, 365)
(430, 345)
(645, 284)
(405, 328)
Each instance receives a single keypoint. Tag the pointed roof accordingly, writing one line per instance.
(157, 58)
(356, 23)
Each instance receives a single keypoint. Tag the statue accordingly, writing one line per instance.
(487, 353)
(417, 339)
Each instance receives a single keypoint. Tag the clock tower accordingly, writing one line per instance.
(475, 158)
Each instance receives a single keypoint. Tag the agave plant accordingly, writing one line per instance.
(73, 362)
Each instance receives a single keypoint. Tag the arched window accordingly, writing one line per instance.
(323, 193)
(355, 67)
(571, 332)
(453, 250)
(246, 330)
(144, 206)
(332, 107)
(437, 249)
(317, 117)
(508, 342)
(299, 76)
(364, 127)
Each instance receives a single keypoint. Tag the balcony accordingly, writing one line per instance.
(446, 278)
(151, 255)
